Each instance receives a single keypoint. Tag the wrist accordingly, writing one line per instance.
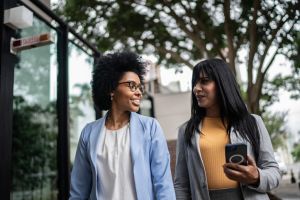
(256, 180)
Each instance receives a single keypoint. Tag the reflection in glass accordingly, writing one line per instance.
(80, 97)
(34, 168)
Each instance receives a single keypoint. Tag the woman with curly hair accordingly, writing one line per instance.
(220, 117)
(123, 155)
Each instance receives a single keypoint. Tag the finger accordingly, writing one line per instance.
(232, 171)
(231, 165)
(233, 174)
(236, 167)
(241, 173)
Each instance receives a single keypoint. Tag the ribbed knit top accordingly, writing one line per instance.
(213, 139)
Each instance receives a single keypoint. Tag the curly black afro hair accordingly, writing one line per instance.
(109, 70)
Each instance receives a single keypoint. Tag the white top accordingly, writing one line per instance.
(114, 165)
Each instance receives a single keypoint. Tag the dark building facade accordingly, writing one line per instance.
(44, 102)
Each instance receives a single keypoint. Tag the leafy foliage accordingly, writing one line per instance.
(34, 146)
(180, 32)
(275, 124)
(296, 153)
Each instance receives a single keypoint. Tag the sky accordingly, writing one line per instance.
(293, 116)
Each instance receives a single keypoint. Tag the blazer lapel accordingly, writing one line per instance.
(96, 138)
(138, 162)
(136, 137)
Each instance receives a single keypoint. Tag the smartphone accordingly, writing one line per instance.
(236, 153)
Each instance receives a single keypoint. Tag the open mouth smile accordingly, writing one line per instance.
(136, 102)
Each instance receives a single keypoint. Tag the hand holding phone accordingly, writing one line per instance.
(248, 174)
(236, 153)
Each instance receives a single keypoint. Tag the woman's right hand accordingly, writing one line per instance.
(244, 174)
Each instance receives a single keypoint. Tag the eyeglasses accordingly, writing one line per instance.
(133, 86)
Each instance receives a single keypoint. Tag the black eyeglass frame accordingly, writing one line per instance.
(133, 86)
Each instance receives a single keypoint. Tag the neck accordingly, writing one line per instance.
(213, 112)
(116, 119)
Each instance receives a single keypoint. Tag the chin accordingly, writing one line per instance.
(200, 104)
(134, 109)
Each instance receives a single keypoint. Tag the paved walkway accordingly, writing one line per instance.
(287, 190)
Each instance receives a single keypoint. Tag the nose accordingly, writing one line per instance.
(197, 88)
(138, 92)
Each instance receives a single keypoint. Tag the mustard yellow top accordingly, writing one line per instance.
(212, 147)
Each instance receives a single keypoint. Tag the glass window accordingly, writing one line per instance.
(80, 97)
(34, 168)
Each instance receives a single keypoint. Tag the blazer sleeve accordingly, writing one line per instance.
(81, 176)
(267, 166)
(160, 164)
(182, 182)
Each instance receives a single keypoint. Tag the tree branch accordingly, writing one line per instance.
(182, 25)
(175, 56)
(269, 44)
(279, 47)
(199, 27)
(261, 76)
(276, 52)
(229, 34)
(262, 73)
(209, 34)
(253, 42)
(270, 62)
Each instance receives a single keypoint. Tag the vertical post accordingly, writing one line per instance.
(152, 106)
(63, 159)
(7, 64)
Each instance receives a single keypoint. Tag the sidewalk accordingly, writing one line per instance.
(287, 190)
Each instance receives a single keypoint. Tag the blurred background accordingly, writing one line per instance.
(45, 91)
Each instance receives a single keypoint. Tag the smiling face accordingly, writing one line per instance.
(124, 99)
(205, 91)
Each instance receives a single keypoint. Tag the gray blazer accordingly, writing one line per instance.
(190, 177)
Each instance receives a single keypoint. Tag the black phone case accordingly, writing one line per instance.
(236, 153)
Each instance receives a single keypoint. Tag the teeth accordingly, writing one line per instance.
(136, 101)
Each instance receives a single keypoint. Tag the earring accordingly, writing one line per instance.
(111, 97)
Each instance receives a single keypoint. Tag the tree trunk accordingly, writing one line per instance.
(253, 95)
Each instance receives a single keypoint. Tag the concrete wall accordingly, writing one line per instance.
(172, 110)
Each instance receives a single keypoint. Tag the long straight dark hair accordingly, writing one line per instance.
(232, 108)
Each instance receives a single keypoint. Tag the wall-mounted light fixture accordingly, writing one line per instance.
(18, 17)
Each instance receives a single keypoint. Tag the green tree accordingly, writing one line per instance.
(275, 124)
(34, 148)
(32, 74)
(180, 32)
(296, 152)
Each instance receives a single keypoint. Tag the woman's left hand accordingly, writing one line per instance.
(244, 174)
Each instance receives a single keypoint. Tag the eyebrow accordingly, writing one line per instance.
(131, 81)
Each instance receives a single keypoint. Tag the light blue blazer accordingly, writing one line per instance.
(150, 160)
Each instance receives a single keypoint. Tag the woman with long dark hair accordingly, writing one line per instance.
(220, 117)
(122, 155)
